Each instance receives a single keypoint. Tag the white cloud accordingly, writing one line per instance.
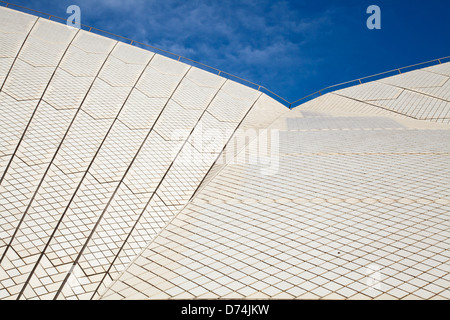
(260, 40)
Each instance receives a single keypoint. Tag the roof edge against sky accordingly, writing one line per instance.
(225, 74)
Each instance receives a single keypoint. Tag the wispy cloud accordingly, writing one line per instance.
(292, 47)
(259, 40)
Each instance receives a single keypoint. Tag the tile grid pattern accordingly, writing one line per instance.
(96, 183)
(179, 174)
(94, 128)
(333, 223)
(85, 158)
(24, 261)
(29, 158)
(420, 94)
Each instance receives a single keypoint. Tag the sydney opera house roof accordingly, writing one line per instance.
(125, 174)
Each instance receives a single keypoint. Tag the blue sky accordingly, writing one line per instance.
(290, 47)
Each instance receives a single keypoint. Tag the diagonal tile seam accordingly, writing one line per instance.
(201, 85)
(92, 161)
(17, 147)
(92, 52)
(56, 108)
(137, 256)
(18, 53)
(389, 99)
(422, 70)
(404, 89)
(366, 219)
(201, 186)
(54, 156)
(226, 121)
(29, 64)
(374, 105)
(39, 100)
(373, 233)
(416, 91)
(155, 97)
(159, 184)
(116, 85)
(15, 99)
(226, 254)
(116, 280)
(181, 209)
(117, 188)
(125, 62)
(224, 147)
(434, 72)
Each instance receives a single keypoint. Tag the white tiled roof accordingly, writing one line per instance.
(120, 178)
